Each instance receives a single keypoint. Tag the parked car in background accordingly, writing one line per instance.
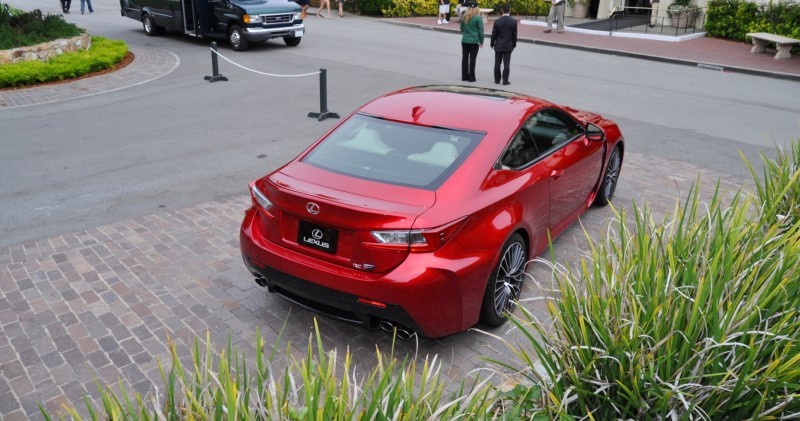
(420, 211)
(241, 22)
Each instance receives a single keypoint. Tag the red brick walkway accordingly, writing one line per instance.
(730, 55)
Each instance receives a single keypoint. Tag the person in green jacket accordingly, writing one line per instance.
(471, 40)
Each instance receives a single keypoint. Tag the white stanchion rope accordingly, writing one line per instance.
(261, 73)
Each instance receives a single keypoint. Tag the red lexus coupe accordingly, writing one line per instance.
(420, 211)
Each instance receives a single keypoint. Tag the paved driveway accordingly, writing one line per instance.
(103, 303)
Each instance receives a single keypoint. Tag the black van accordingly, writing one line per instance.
(239, 21)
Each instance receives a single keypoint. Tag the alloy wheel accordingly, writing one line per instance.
(612, 174)
(510, 275)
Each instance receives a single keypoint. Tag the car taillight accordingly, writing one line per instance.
(259, 198)
(417, 241)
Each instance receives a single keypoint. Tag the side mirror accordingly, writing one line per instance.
(594, 133)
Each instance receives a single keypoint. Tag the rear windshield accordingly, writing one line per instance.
(396, 153)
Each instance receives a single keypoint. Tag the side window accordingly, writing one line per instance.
(521, 151)
(551, 128)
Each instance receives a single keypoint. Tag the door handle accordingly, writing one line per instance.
(556, 173)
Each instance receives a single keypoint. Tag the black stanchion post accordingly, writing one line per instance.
(323, 99)
(214, 66)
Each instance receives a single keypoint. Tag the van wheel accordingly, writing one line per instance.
(292, 41)
(150, 27)
(236, 38)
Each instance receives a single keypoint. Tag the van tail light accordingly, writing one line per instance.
(416, 241)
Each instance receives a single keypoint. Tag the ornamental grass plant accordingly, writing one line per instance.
(695, 317)
(323, 385)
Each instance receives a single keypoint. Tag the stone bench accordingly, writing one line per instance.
(485, 14)
(784, 44)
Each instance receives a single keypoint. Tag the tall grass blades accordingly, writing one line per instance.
(695, 317)
(321, 386)
(778, 191)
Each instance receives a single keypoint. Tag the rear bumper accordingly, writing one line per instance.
(263, 34)
(433, 296)
(330, 302)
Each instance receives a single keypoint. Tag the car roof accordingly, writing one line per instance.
(454, 106)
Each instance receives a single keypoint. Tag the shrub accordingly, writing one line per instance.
(33, 28)
(696, 317)
(730, 18)
(372, 7)
(733, 19)
(405, 8)
(103, 54)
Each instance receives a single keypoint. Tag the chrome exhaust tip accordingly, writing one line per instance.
(405, 333)
(262, 282)
(397, 329)
(386, 326)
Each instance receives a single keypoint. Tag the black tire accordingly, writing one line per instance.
(150, 27)
(608, 186)
(236, 38)
(505, 283)
(292, 41)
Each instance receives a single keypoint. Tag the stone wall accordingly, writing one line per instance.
(46, 50)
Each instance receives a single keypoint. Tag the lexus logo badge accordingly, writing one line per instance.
(317, 234)
(312, 208)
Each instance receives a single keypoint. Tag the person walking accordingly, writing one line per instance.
(89, 3)
(557, 13)
(65, 5)
(653, 13)
(471, 40)
(322, 5)
(444, 11)
(303, 7)
(503, 42)
(341, 8)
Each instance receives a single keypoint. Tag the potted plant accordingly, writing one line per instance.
(682, 13)
(580, 8)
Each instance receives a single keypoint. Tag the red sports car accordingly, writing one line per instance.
(419, 211)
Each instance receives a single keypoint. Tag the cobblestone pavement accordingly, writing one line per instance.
(148, 64)
(102, 304)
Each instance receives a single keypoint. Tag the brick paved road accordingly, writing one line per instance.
(101, 304)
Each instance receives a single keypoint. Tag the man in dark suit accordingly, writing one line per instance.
(504, 39)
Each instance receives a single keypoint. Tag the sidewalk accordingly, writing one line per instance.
(713, 53)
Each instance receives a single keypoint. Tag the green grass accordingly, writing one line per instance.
(103, 54)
